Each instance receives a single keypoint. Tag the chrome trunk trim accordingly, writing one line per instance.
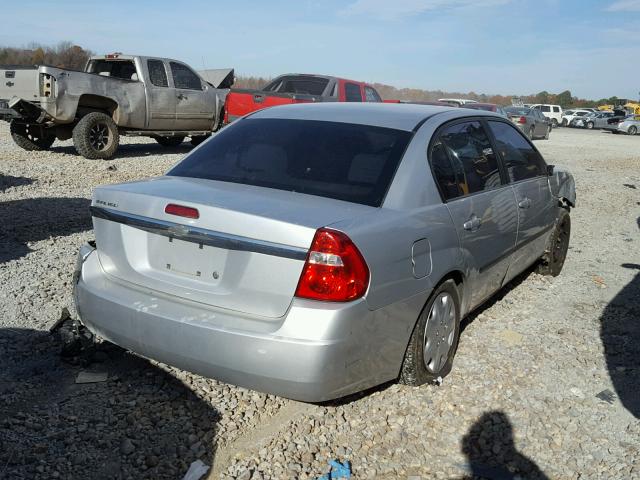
(198, 235)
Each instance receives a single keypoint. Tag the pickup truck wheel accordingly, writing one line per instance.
(96, 136)
(556, 252)
(434, 340)
(169, 141)
(633, 130)
(197, 140)
(31, 137)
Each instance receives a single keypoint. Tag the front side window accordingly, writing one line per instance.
(183, 77)
(463, 161)
(157, 73)
(371, 95)
(352, 92)
(350, 162)
(521, 160)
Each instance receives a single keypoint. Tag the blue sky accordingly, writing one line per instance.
(591, 47)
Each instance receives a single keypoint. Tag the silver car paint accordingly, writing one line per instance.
(317, 350)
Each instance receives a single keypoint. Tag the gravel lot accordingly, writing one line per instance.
(545, 383)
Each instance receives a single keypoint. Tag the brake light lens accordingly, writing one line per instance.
(335, 270)
(181, 211)
(522, 120)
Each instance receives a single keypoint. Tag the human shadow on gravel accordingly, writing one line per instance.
(620, 334)
(9, 181)
(140, 423)
(491, 451)
(134, 150)
(35, 219)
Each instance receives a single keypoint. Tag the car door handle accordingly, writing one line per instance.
(472, 224)
(524, 203)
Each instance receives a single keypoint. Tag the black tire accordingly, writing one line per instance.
(31, 137)
(197, 140)
(554, 123)
(556, 253)
(589, 125)
(546, 134)
(96, 136)
(633, 130)
(414, 370)
(170, 142)
(564, 122)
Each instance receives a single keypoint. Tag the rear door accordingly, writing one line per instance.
(162, 97)
(481, 204)
(527, 174)
(194, 110)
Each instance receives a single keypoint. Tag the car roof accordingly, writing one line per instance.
(400, 116)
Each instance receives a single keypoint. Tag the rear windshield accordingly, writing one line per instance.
(475, 106)
(306, 85)
(355, 163)
(518, 110)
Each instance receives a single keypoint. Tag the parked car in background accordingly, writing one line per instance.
(297, 88)
(487, 107)
(618, 117)
(569, 115)
(116, 95)
(530, 121)
(552, 112)
(630, 125)
(592, 120)
(310, 251)
(456, 102)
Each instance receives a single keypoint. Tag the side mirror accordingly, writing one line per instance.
(550, 170)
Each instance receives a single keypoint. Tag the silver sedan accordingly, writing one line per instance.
(313, 251)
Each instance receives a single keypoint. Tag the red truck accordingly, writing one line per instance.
(297, 88)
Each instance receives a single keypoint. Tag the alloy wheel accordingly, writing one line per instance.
(99, 136)
(439, 332)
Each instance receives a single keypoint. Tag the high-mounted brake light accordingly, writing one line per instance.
(335, 270)
(522, 120)
(181, 211)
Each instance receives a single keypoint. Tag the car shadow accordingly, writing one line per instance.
(129, 150)
(491, 451)
(620, 335)
(35, 219)
(9, 181)
(138, 422)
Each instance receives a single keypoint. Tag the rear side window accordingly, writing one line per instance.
(122, 69)
(157, 73)
(352, 92)
(183, 77)
(463, 161)
(355, 163)
(521, 160)
(545, 108)
(302, 85)
(371, 95)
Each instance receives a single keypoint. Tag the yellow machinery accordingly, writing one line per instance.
(605, 108)
(632, 107)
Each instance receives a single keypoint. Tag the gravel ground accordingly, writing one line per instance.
(545, 383)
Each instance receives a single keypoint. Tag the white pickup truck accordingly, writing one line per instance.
(115, 95)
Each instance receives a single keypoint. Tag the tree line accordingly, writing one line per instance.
(68, 55)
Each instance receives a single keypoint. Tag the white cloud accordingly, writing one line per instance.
(398, 9)
(624, 6)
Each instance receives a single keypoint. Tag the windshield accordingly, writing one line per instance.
(350, 162)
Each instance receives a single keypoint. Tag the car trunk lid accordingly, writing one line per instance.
(244, 251)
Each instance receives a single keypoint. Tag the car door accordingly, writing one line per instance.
(194, 109)
(527, 174)
(161, 106)
(541, 124)
(481, 203)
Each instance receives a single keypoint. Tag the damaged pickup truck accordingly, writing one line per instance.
(116, 95)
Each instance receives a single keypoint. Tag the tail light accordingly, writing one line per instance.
(181, 211)
(522, 120)
(335, 270)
